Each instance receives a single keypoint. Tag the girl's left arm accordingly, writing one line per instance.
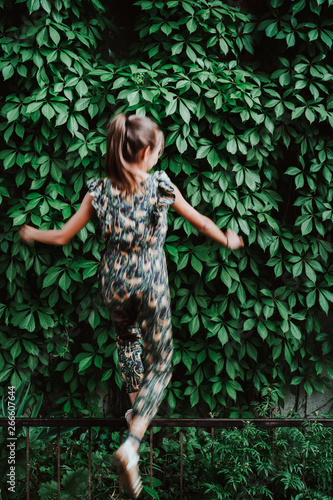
(204, 224)
(63, 235)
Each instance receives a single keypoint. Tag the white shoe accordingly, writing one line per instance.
(126, 459)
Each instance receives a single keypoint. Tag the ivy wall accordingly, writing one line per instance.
(244, 96)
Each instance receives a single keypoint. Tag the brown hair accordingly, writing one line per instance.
(126, 137)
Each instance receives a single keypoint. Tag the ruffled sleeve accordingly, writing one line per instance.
(165, 197)
(166, 193)
(95, 187)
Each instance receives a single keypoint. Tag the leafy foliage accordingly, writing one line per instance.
(243, 95)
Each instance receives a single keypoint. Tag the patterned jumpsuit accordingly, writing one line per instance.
(133, 281)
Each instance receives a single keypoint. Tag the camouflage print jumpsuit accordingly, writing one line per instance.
(133, 281)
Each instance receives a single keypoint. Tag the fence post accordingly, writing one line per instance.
(303, 467)
(181, 464)
(89, 465)
(151, 458)
(59, 463)
(28, 465)
(212, 449)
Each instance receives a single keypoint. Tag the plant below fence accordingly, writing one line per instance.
(284, 463)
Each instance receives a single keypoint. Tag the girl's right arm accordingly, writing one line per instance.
(205, 225)
(63, 235)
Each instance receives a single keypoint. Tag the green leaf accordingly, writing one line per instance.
(196, 264)
(192, 306)
(46, 5)
(82, 104)
(323, 302)
(230, 369)
(33, 5)
(28, 323)
(48, 111)
(201, 356)
(194, 398)
(297, 112)
(42, 37)
(310, 115)
(308, 387)
(231, 391)
(297, 380)
(152, 493)
(45, 320)
(217, 387)
(184, 112)
(191, 25)
(34, 106)
(223, 336)
(310, 273)
(106, 375)
(81, 88)
(307, 226)
(177, 48)
(85, 362)
(4, 375)
(262, 330)
(54, 35)
(15, 350)
(13, 114)
(8, 72)
(64, 281)
(295, 331)
(51, 278)
(311, 299)
(283, 310)
(232, 146)
(98, 361)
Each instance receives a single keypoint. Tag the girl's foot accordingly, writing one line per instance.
(126, 459)
(128, 417)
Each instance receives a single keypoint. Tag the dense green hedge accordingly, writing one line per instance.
(244, 98)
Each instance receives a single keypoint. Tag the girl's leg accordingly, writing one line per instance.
(132, 397)
(128, 414)
(155, 324)
(129, 356)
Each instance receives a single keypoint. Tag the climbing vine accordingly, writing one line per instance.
(243, 95)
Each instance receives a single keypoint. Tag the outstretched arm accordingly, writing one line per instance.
(63, 235)
(205, 225)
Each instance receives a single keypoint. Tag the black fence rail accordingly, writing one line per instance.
(183, 423)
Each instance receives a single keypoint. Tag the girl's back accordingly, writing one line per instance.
(136, 221)
(134, 226)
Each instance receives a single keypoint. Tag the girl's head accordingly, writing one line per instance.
(133, 142)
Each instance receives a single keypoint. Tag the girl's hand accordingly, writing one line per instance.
(27, 234)
(234, 241)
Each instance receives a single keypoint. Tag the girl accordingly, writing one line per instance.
(132, 209)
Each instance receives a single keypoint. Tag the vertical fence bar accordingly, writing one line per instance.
(28, 464)
(151, 458)
(181, 464)
(121, 434)
(89, 465)
(273, 459)
(58, 438)
(303, 469)
(212, 449)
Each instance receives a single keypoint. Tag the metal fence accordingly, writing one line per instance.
(120, 424)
